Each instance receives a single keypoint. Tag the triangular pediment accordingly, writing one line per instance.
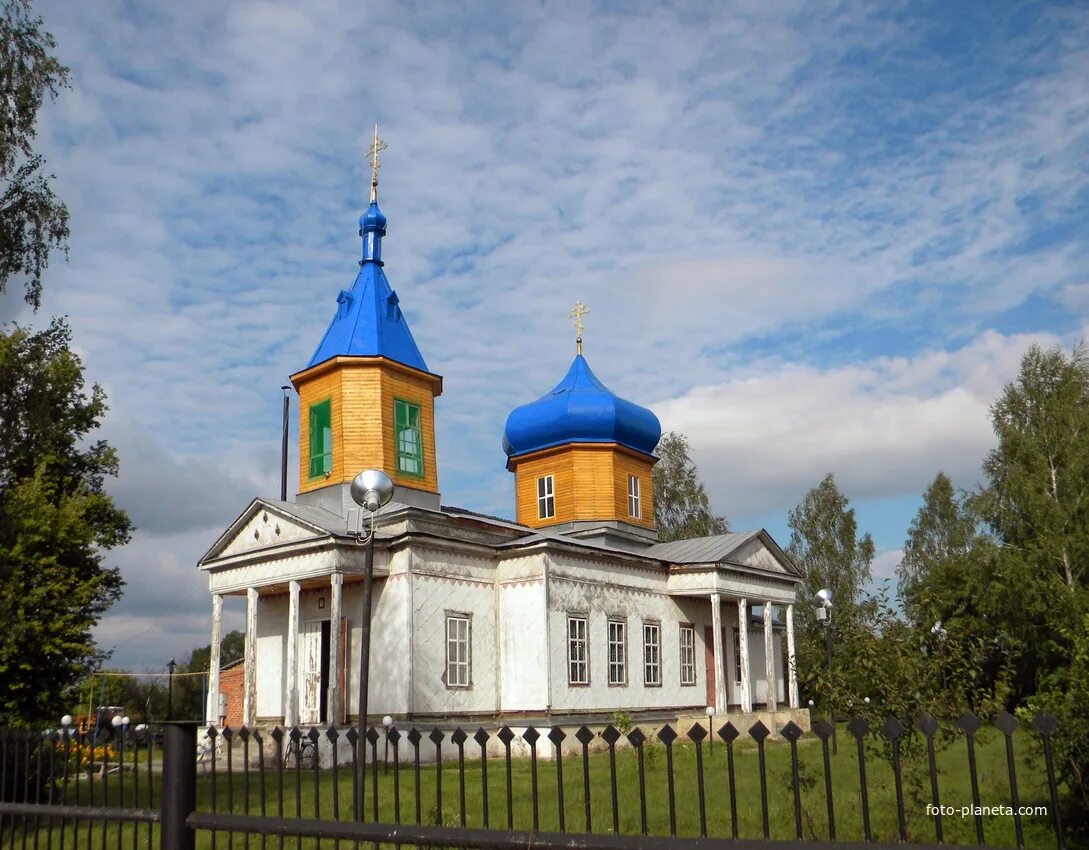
(261, 526)
(762, 553)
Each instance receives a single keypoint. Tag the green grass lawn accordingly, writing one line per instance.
(299, 793)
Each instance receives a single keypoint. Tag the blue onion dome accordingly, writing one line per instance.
(580, 409)
(372, 220)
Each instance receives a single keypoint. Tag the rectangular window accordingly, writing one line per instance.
(618, 652)
(633, 496)
(737, 657)
(652, 654)
(546, 502)
(457, 651)
(688, 655)
(321, 439)
(409, 442)
(578, 657)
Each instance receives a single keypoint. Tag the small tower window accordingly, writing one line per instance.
(321, 439)
(633, 496)
(546, 502)
(407, 437)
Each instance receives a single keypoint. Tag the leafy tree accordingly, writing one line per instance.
(943, 580)
(143, 698)
(1037, 498)
(33, 221)
(681, 507)
(943, 531)
(1036, 501)
(56, 521)
(824, 542)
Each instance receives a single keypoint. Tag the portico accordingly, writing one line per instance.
(745, 653)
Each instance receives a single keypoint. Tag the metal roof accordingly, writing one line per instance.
(700, 550)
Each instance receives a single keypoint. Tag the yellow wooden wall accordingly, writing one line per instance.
(590, 482)
(625, 464)
(362, 394)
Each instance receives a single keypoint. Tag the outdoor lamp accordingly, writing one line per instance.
(66, 721)
(371, 489)
(710, 727)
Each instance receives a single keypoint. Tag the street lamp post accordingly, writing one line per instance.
(370, 489)
(824, 614)
(710, 729)
(170, 690)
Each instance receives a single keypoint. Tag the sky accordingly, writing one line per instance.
(814, 237)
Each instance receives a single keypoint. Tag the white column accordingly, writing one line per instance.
(720, 667)
(211, 709)
(249, 686)
(291, 688)
(769, 659)
(792, 659)
(743, 639)
(333, 713)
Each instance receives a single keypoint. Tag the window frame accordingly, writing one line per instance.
(408, 407)
(546, 501)
(615, 666)
(457, 663)
(652, 627)
(574, 641)
(687, 663)
(635, 504)
(315, 426)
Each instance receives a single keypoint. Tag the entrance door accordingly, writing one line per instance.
(313, 671)
(713, 675)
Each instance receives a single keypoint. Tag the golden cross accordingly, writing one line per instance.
(376, 146)
(577, 312)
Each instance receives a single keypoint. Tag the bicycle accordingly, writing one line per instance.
(304, 751)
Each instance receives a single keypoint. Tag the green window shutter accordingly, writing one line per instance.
(407, 437)
(321, 439)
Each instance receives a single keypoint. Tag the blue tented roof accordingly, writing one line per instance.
(368, 321)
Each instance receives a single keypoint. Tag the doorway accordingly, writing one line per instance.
(314, 640)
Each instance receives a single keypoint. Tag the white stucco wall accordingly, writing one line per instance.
(271, 643)
(452, 583)
(599, 591)
(522, 635)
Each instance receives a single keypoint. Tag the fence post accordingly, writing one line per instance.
(179, 796)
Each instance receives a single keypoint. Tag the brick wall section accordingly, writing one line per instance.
(231, 683)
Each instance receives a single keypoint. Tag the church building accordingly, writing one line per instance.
(573, 609)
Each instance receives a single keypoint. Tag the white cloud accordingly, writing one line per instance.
(885, 564)
(884, 427)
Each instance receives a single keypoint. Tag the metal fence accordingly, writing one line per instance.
(577, 788)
